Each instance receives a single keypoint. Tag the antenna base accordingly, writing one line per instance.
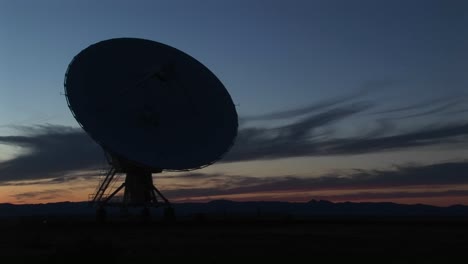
(139, 190)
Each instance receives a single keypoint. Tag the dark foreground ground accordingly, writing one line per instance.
(320, 240)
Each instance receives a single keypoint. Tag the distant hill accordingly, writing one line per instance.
(312, 208)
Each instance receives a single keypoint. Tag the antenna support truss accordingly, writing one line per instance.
(139, 191)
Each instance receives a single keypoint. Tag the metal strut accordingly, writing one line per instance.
(114, 193)
(104, 185)
(138, 188)
(160, 195)
(138, 191)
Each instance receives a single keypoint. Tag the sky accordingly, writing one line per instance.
(338, 100)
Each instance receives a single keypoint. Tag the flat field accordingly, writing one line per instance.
(321, 240)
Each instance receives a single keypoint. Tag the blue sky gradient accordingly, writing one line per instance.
(406, 61)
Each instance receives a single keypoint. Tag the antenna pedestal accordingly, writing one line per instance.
(139, 191)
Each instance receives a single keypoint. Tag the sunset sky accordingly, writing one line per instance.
(340, 100)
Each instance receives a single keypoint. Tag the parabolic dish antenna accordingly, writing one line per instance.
(150, 106)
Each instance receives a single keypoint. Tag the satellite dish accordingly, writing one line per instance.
(150, 106)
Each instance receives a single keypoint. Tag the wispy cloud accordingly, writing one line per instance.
(71, 177)
(436, 175)
(286, 114)
(41, 195)
(411, 181)
(51, 151)
(298, 139)
(58, 151)
(439, 106)
(322, 105)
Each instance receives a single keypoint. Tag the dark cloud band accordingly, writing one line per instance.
(55, 151)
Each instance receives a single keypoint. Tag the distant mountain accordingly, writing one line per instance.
(312, 208)
(48, 209)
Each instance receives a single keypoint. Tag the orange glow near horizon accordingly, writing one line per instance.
(79, 191)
